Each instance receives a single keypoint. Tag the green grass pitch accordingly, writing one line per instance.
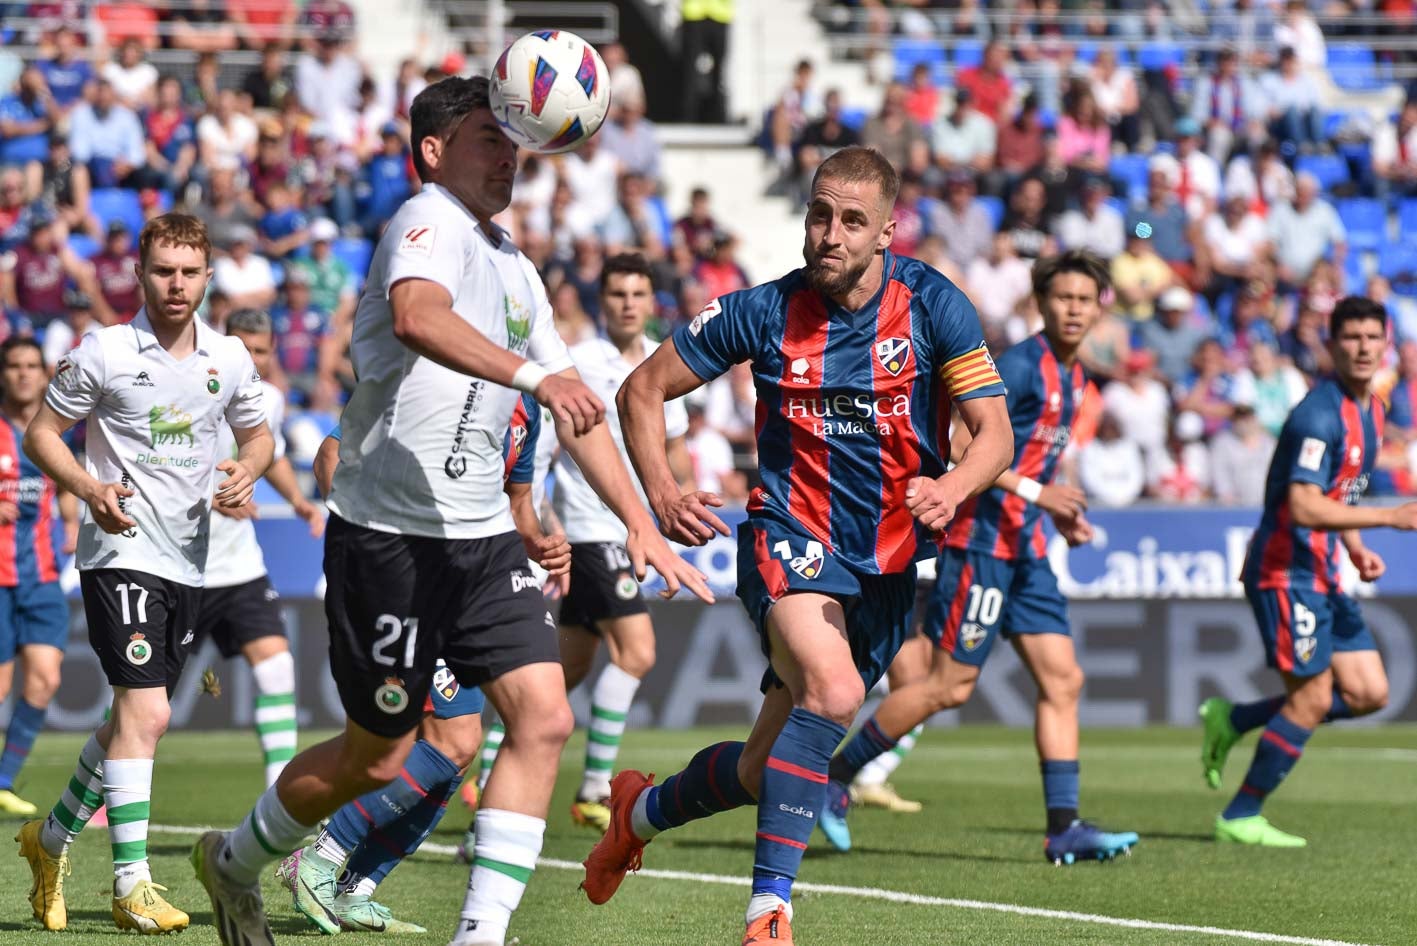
(979, 839)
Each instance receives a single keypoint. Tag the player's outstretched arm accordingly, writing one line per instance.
(683, 516)
(424, 321)
(1314, 510)
(989, 453)
(255, 450)
(44, 444)
(1063, 503)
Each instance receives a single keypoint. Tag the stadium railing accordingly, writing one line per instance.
(596, 23)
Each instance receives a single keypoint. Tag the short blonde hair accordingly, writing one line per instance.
(174, 229)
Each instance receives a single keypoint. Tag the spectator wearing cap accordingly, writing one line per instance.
(67, 73)
(1237, 245)
(1139, 274)
(1209, 389)
(243, 275)
(1000, 285)
(1026, 220)
(1305, 232)
(1174, 334)
(1195, 175)
(27, 116)
(1111, 465)
(226, 138)
(1395, 153)
(1164, 220)
(1084, 137)
(891, 131)
(40, 269)
(959, 222)
(1269, 386)
(133, 78)
(301, 330)
(385, 184)
(327, 84)
(1229, 107)
(171, 137)
(115, 269)
(1093, 225)
(1141, 405)
(332, 285)
(988, 83)
(224, 208)
(633, 140)
(1239, 459)
(107, 137)
(1251, 322)
(65, 188)
(65, 334)
(966, 139)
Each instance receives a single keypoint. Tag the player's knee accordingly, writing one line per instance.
(41, 683)
(1063, 686)
(1368, 699)
(638, 660)
(544, 727)
(370, 772)
(148, 726)
(837, 700)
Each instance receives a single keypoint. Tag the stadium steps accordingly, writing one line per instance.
(768, 41)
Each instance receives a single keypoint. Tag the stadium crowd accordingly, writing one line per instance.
(1214, 198)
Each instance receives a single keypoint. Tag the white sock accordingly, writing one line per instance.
(128, 790)
(609, 707)
(365, 887)
(275, 714)
(503, 858)
(265, 835)
(491, 745)
(879, 769)
(328, 848)
(761, 904)
(82, 797)
(639, 816)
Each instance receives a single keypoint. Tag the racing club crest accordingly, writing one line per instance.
(445, 684)
(893, 353)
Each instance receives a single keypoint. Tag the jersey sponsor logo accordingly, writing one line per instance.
(391, 697)
(456, 464)
(705, 316)
(626, 588)
(800, 367)
(170, 425)
(1311, 453)
(797, 810)
(138, 651)
(142, 380)
(846, 414)
(445, 684)
(1055, 435)
(418, 240)
(972, 635)
(893, 353)
(522, 580)
(518, 325)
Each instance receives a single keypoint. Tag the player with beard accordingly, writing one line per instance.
(856, 359)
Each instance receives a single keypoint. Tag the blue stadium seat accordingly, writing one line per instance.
(116, 203)
(854, 118)
(1398, 262)
(1330, 169)
(1354, 272)
(84, 247)
(1160, 55)
(909, 53)
(1366, 222)
(1353, 67)
(1407, 218)
(1133, 172)
(969, 52)
(356, 254)
(994, 207)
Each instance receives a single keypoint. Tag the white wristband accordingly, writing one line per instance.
(1028, 490)
(529, 376)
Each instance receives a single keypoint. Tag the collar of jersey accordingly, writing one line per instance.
(492, 233)
(142, 328)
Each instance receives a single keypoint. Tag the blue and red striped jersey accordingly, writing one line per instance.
(851, 405)
(519, 446)
(1043, 397)
(27, 553)
(1329, 440)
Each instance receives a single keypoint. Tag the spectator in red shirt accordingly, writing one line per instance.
(115, 270)
(720, 274)
(988, 83)
(922, 102)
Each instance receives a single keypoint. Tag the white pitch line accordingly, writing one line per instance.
(895, 896)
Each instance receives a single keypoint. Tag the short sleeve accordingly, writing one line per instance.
(1018, 378)
(426, 249)
(545, 345)
(966, 366)
(246, 409)
(723, 334)
(78, 379)
(524, 470)
(337, 434)
(1309, 438)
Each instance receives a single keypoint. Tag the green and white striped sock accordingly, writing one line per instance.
(609, 708)
(879, 769)
(491, 745)
(503, 860)
(82, 797)
(275, 712)
(128, 790)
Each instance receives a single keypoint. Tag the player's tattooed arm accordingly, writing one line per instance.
(988, 454)
(44, 444)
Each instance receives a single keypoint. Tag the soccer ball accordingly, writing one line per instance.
(550, 91)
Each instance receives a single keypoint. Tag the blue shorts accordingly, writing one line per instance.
(877, 607)
(977, 596)
(449, 699)
(1302, 629)
(33, 613)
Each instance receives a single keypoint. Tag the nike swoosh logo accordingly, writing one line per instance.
(324, 909)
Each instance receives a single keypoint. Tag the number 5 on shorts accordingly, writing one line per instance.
(391, 628)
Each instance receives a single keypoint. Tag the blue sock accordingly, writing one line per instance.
(1338, 709)
(25, 723)
(1247, 716)
(869, 742)
(1279, 749)
(425, 770)
(387, 846)
(793, 795)
(707, 785)
(1060, 792)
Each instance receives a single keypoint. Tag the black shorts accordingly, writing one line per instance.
(236, 615)
(396, 603)
(602, 586)
(140, 626)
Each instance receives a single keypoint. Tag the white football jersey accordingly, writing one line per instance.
(583, 515)
(155, 425)
(234, 556)
(422, 447)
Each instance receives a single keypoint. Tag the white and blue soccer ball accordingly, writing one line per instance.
(550, 91)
